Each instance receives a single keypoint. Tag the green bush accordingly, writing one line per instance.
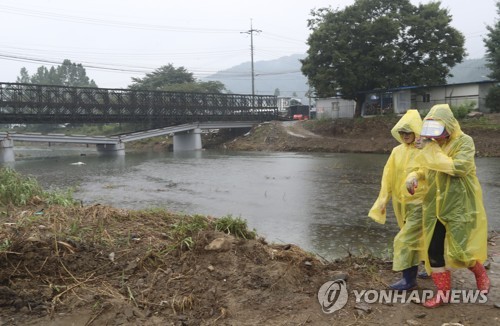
(463, 109)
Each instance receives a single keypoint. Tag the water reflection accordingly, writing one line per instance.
(317, 201)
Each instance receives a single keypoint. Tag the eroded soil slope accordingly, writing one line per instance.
(104, 266)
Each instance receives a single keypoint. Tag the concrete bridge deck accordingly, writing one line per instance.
(186, 137)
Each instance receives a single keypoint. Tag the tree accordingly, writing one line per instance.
(24, 76)
(169, 78)
(380, 44)
(493, 99)
(492, 44)
(196, 87)
(67, 74)
(45, 76)
(72, 74)
(276, 92)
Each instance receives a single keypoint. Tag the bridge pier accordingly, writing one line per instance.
(188, 140)
(7, 150)
(111, 149)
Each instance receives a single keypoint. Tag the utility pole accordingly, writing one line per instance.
(251, 31)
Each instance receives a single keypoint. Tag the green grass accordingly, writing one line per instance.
(235, 226)
(5, 245)
(185, 228)
(19, 190)
(16, 189)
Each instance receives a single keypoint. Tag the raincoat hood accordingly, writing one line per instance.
(443, 113)
(411, 121)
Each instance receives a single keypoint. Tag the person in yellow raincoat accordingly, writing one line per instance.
(407, 208)
(454, 218)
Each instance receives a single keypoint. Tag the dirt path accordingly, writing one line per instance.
(296, 129)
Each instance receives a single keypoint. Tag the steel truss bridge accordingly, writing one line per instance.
(32, 103)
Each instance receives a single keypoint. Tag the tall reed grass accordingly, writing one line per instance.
(19, 190)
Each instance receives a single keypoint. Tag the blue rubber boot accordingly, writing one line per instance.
(409, 280)
(423, 275)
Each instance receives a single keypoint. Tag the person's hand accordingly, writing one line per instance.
(411, 185)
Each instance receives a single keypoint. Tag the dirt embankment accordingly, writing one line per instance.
(103, 266)
(368, 135)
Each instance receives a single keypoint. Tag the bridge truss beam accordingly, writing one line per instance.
(32, 103)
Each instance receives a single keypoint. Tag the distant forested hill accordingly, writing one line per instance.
(284, 74)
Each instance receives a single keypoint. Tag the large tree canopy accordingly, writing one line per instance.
(380, 44)
(492, 44)
(67, 74)
(169, 78)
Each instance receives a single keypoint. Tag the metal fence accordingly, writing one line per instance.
(453, 102)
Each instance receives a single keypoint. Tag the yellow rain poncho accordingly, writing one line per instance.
(454, 195)
(407, 208)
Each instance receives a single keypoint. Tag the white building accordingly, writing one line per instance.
(399, 100)
(334, 108)
(421, 98)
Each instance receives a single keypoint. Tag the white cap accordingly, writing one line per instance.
(432, 129)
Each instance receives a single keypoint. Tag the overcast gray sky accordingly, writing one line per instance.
(119, 39)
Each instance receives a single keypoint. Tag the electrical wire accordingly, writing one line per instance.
(107, 22)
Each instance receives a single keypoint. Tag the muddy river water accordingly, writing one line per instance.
(317, 201)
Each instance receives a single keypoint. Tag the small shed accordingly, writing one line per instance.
(334, 108)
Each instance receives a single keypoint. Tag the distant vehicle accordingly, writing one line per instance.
(297, 112)
(300, 117)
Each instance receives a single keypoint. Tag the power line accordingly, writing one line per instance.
(107, 22)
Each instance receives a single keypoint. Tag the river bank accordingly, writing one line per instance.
(99, 265)
(364, 135)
